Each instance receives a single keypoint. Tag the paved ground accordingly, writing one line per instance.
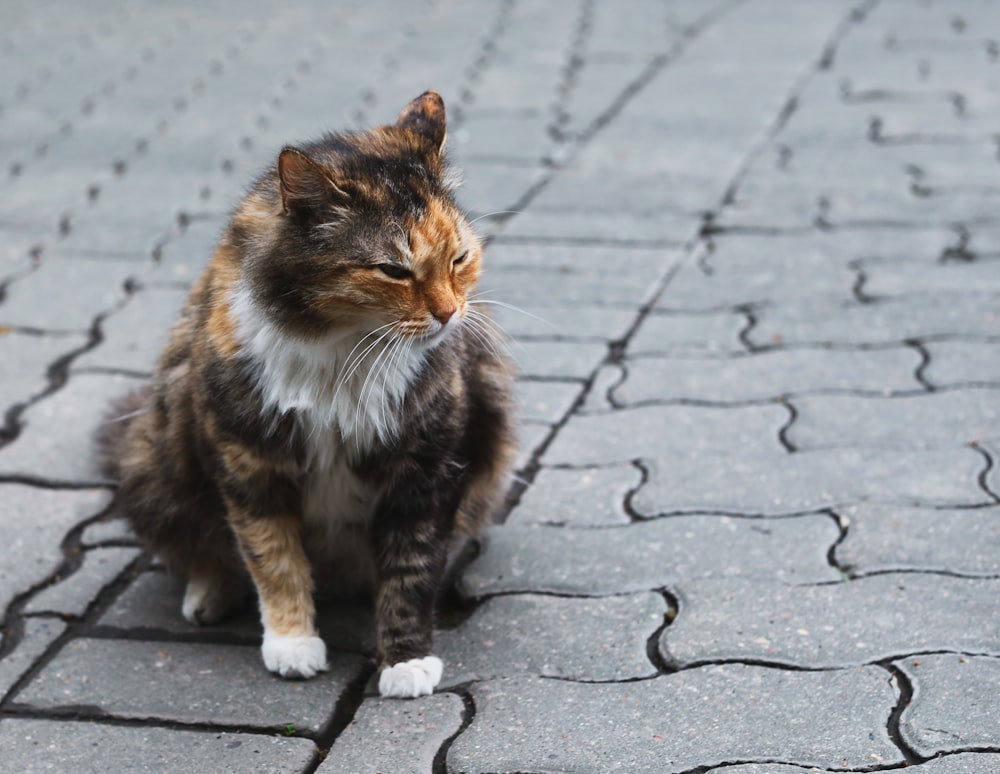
(760, 532)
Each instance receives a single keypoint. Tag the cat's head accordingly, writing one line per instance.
(360, 230)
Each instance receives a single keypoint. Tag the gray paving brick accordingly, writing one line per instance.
(885, 538)
(108, 530)
(595, 640)
(557, 359)
(66, 293)
(177, 681)
(768, 375)
(560, 275)
(598, 397)
(546, 401)
(39, 634)
(939, 419)
(804, 625)
(493, 187)
(671, 228)
(669, 432)
(134, 336)
(74, 594)
(828, 719)
(885, 279)
(84, 747)
(531, 436)
(963, 763)
(677, 333)
(34, 523)
(55, 442)
(398, 736)
(649, 555)
(833, 320)
(25, 360)
(954, 705)
(962, 362)
(581, 322)
(753, 481)
(585, 497)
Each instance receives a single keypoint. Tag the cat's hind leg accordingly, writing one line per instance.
(213, 591)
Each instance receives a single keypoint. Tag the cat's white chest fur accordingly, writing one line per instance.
(347, 381)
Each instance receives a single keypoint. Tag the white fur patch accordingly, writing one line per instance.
(410, 679)
(207, 602)
(293, 656)
(350, 381)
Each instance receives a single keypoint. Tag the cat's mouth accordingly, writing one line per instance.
(434, 335)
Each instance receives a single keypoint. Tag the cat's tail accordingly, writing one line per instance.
(110, 434)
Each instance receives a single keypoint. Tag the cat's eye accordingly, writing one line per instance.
(460, 259)
(394, 270)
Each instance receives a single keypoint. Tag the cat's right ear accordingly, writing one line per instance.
(304, 184)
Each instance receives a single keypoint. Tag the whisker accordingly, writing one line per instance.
(351, 366)
(485, 337)
(495, 212)
(513, 308)
(495, 328)
(402, 350)
(129, 415)
(372, 369)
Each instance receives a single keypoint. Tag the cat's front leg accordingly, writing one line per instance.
(272, 549)
(411, 563)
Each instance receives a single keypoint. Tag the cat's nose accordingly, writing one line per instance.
(443, 315)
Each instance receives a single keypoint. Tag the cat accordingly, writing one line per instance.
(329, 407)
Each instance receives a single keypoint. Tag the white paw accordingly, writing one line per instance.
(294, 656)
(206, 603)
(409, 679)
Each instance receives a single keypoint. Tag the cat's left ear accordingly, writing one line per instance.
(425, 117)
(304, 183)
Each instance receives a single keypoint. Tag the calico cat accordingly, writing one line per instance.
(329, 407)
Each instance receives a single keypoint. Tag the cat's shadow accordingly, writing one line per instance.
(152, 605)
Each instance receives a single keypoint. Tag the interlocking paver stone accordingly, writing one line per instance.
(962, 362)
(768, 375)
(73, 594)
(557, 359)
(583, 497)
(671, 432)
(819, 319)
(756, 482)
(38, 635)
(25, 360)
(650, 555)
(829, 719)
(66, 293)
(134, 336)
(804, 626)
(35, 746)
(577, 639)
(954, 705)
(393, 736)
(677, 333)
(963, 763)
(179, 681)
(922, 421)
(546, 401)
(32, 528)
(881, 538)
(56, 440)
